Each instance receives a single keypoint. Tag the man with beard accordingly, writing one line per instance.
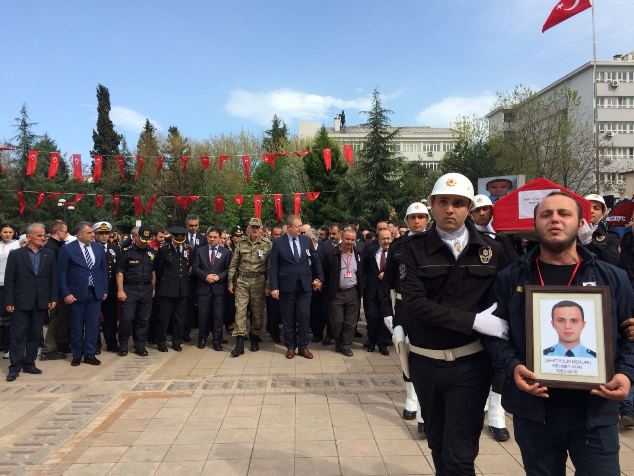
(551, 424)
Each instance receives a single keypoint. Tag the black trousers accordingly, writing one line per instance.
(545, 448)
(318, 315)
(191, 319)
(109, 325)
(135, 314)
(378, 334)
(211, 315)
(26, 330)
(343, 312)
(452, 397)
(295, 311)
(273, 316)
(171, 310)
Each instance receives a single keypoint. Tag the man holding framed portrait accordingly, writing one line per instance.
(564, 405)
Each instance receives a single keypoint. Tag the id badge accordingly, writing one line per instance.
(347, 275)
(260, 253)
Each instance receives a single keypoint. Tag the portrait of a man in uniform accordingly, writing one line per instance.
(568, 320)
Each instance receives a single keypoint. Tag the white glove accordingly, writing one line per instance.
(585, 232)
(398, 335)
(389, 324)
(489, 324)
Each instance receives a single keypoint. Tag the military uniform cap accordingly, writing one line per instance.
(102, 226)
(177, 230)
(145, 233)
(237, 231)
(255, 222)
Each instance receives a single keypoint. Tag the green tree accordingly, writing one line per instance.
(276, 138)
(106, 140)
(23, 139)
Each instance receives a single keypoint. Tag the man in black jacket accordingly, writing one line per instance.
(552, 423)
(194, 240)
(109, 306)
(30, 289)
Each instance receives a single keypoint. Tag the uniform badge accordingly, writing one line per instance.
(401, 271)
(185, 253)
(260, 253)
(112, 252)
(307, 252)
(485, 254)
(451, 182)
(151, 255)
(600, 237)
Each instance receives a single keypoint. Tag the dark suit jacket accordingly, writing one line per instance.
(332, 269)
(74, 271)
(371, 270)
(23, 288)
(200, 240)
(201, 267)
(284, 271)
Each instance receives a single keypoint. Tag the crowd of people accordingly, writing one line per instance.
(442, 287)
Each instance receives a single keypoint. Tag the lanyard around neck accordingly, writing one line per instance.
(572, 276)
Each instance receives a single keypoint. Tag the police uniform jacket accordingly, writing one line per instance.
(441, 295)
(392, 280)
(136, 264)
(626, 259)
(332, 270)
(172, 271)
(605, 244)
(508, 292)
(111, 250)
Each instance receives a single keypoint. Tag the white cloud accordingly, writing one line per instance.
(447, 110)
(130, 120)
(289, 104)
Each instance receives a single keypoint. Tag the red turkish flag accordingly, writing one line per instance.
(53, 165)
(347, 153)
(564, 10)
(21, 201)
(221, 159)
(246, 163)
(31, 162)
(204, 162)
(257, 205)
(277, 205)
(301, 154)
(269, 158)
(119, 159)
(186, 201)
(312, 196)
(297, 201)
(184, 159)
(76, 199)
(159, 163)
(327, 161)
(40, 199)
(52, 196)
(139, 167)
(99, 200)
(239, 199)
(116, 200)
(220, 203)
(77, 167)
(96, 174)
(150, 204)
(138, 206)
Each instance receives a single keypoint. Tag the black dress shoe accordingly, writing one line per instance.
(76, 361)
(187, 339)
(383, 350)
(161, 348)
(407, 415)
(122, 352)
(499, 434)
(370, 347)
(347, 352)
(92, 360)
(141, 352)
(177, 347)
(421, 431)
(202, 343)
(11, 376)
(217, 346)
(31, 370)
(51, 356)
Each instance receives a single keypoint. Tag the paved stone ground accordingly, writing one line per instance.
(201, 412)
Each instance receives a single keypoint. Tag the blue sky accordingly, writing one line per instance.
(214, 67)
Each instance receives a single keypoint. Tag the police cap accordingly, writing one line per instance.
(102, 227)
(145, 233)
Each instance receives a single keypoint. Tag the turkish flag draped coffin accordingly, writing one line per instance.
(621, 214)
(513, 213)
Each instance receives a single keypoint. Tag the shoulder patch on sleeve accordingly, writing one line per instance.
(549, 350)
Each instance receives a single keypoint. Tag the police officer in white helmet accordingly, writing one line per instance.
(595, 235)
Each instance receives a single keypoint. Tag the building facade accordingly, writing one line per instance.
(615, 114)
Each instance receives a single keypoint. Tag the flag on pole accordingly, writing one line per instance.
(564, 10)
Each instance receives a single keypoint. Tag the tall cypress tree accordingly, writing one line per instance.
(105, 138)
(23, 139)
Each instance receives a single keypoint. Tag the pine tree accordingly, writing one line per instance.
(23, 139)
(276, 138)
(105, 138)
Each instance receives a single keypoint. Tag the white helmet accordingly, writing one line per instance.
(416, 207)
(453, 184)
(597, 198)
(480, 201)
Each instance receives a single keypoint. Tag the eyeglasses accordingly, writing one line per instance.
(302, 232)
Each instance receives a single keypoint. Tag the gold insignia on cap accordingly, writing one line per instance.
(451, 182)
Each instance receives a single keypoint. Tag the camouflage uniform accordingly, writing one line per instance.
(250, 263)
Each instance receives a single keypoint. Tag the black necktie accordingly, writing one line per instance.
(569, 353)
(295, 250)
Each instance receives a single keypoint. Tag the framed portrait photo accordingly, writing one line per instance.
(569, 336)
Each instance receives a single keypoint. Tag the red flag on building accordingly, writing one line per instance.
(312, 196)
(77, 167)
(96, 173)
(31, 162)
(257, 205)
(119, 159)
(139, 167)
(116, 200)
(159, 163)
(347, 153)
(219, 201)
(239, 199)
(564, 10)
(184, 159)
(221, 159)
(21, 201)
(76, 199)
(327, 160)
(204, 162)
(53, 165)
(99, 200)
(138, 206)
(150, 204)
(277, 205)
(246, 163)
(297, 201)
